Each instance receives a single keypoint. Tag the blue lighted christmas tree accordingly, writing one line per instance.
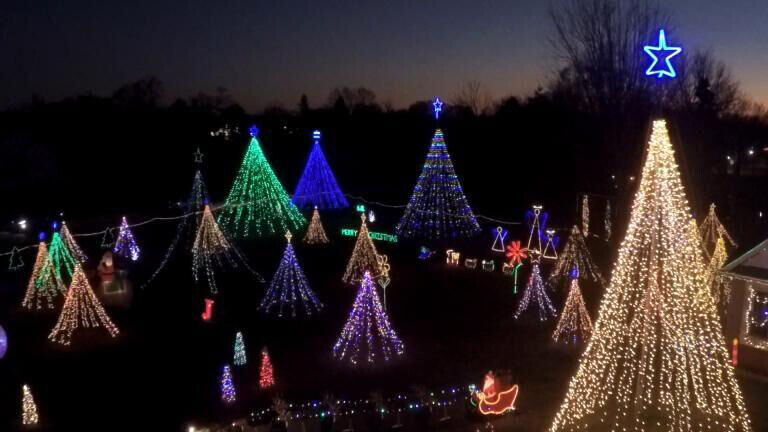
(317, 186)
(126, 246)
(257, 203)
(438, 208)
(289, 289)
(228, 394)
(368, 325)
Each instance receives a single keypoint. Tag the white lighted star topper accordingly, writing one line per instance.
(437, 104)
(198, 156)
(659, 52)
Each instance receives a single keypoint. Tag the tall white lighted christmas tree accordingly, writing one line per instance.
(657, 359)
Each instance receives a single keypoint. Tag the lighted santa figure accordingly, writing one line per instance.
(496, 398)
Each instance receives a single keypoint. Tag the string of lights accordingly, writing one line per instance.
(315, 409)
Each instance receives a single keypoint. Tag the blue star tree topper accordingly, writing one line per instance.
(437, 104)
(665, 52)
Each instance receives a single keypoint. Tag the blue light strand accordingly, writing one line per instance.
(317, 186)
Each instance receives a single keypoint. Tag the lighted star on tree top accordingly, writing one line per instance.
(437, 104)
(516, 253)
(662, 52)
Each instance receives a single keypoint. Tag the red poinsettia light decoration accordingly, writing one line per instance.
(516, 253)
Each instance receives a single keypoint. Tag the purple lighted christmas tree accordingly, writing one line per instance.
(289, 289)
(367, 325)
(126, 246)
(438, 208)
(228, 394)
(536, 292)
(317, 186)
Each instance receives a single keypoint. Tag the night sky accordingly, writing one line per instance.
(270, 51)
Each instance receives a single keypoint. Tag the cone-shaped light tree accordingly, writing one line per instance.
(42, 290)
(49, 281)
(266, 373)
(71, 244)
(575, 255)
(315, 232)
(29, 415)
(575, 324)
(81, 309)
(210, 250)
(367, 325)
(125, 245)
(240, 357)
(535, 294)
(317, 186)
(438, 208)
(657, 358)
(712, 229)
(257, 204)
(289, 291)
(716, 262)
(59, 258)
(228, 393)
(188, 226)
(364, 257)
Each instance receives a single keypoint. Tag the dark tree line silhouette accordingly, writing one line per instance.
(583, 132)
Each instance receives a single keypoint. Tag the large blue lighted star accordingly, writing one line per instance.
(668, 53)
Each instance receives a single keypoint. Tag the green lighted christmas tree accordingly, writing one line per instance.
(257, 204)
(240, 357)
(58, 264)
